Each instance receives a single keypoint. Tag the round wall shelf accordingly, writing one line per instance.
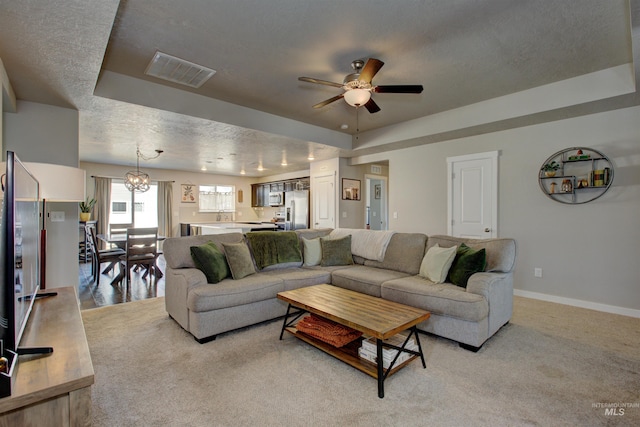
(576, 175)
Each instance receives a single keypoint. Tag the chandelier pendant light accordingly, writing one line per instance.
(138, 180)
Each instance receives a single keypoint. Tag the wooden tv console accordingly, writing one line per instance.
(52, 389)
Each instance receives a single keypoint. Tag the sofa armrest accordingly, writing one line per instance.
(497, 288)
(178, 282)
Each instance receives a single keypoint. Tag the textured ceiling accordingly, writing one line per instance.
(91, 56)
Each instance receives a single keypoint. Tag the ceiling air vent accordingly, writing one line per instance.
(178, 70)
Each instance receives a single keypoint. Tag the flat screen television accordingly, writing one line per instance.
(19, 250)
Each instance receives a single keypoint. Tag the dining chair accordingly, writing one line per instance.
(101, 256)
(119, 229)
(141, 250)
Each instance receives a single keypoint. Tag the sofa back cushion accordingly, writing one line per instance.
(500, 252)
(404, 253)
(177, 250)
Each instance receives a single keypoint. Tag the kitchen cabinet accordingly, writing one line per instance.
(260, 192)
(260, 195)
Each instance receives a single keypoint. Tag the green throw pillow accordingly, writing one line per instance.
(466, 263)
(239, 259)
(336, 251)
(312, 252)
(211, 261)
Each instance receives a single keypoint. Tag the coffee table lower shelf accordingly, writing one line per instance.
(348, 354)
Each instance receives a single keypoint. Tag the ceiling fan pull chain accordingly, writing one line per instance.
(357, 122)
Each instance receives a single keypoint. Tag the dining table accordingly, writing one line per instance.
(120, 240)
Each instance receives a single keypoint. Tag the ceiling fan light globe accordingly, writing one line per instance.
(357, 97)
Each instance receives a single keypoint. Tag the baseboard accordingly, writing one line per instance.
(579, 303)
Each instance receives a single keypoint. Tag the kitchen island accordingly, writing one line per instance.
(231, 227)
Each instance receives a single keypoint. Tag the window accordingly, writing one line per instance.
(216, 198)
(145, 206)
(119, 207)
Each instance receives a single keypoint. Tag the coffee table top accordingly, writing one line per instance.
(370, 315)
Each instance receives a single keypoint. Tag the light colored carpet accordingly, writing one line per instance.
(551, 366)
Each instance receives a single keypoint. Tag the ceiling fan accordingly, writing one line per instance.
(358, 88)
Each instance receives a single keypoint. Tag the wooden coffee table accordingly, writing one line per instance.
(372, 316)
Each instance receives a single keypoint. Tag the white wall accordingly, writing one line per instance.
(588, 252)
(47, 134)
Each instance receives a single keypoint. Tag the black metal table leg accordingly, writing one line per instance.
(285, 323)
(380, 369)
(415, 332)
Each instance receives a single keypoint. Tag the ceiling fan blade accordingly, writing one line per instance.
(398, 89)
(318, 81)
(328, 101)
(371, 106)
(370, 69)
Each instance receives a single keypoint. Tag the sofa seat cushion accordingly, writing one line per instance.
(443, 298)
(232, 293)
(366, 280)
(295, 278)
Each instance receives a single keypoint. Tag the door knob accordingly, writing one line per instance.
(487, 230)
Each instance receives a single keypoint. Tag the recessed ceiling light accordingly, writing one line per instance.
(260, 168)
(204, 168)
(284, 163)
(242, 172)
(311, 157)
(344, 126)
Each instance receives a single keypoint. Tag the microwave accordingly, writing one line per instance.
(276, 198)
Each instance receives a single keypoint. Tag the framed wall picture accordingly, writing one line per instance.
(350, 189)
(376, 191)
(187, 192)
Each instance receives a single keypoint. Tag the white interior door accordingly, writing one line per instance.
(324, 201)
(473, 195)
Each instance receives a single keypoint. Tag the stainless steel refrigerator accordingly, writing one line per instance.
(296, 209)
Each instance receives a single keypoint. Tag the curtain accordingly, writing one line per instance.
(102, 194)
(165, 208)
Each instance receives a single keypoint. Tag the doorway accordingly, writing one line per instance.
(376, 216)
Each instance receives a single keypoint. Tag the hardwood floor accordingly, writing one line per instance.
(93, 295)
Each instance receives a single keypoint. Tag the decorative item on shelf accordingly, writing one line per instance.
(553, 188)
(579, 156)
(583, 183)
(567, 187)
(551, 168)
(137, 180)
(85, 209)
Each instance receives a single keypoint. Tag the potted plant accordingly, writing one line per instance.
(551, 168)
(85, 209)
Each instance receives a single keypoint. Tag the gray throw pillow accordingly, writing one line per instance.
(239, 259)
(211, 261)
(336, 251)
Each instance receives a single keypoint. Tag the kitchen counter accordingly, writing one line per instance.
(231, 227)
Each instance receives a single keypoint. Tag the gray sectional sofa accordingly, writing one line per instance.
(469, 316)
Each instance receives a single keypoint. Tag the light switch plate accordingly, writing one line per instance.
(56, 216)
